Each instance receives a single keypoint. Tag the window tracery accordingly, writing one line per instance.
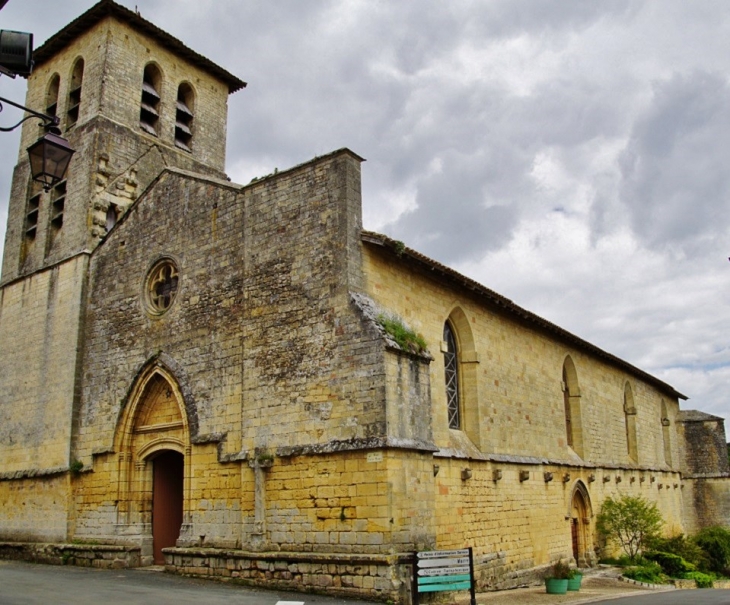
(162, 286)
(451, 370)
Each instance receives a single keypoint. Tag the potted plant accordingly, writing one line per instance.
(556, 579)
(574, 582)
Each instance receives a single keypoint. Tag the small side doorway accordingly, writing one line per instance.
(579, 530)
(167, 501)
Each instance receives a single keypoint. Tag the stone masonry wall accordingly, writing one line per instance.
(515, 404)
(704, 445)
(262, 327)
(34, 508)
(705, 469)
(385, 578)
(511, 393)
(40, 321)
(311, 360)
(708, 500)
(196, 223)
(519, 525)
(83, 555)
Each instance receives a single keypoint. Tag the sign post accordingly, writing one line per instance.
(442, 570)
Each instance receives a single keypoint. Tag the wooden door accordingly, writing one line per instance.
(574, 529)
(167, 502)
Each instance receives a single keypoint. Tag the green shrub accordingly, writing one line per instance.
(684, 547)
(671, 564)
(704, 580)
(650, 573)
(715, 541)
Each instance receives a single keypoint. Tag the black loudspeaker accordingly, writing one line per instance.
(16, 52)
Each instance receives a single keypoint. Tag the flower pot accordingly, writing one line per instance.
(574, 582)
(556, 586)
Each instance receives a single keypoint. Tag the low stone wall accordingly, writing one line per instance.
(381, 577)
(106, 556)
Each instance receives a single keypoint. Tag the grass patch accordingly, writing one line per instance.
(405, 338)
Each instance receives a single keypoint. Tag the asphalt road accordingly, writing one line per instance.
(675, 597)
(30, 584)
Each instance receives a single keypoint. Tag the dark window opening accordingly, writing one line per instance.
(149, 113)
(111, 217)
(58, 197)
(74, 95)
(184, 118)
(52, 96)
(31, 217)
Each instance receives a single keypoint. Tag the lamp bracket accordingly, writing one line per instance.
(50, 123)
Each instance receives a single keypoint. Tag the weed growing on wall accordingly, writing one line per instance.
(407, 339)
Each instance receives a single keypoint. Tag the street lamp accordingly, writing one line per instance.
(49, 155)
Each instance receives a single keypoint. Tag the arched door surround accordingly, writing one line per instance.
(580, 515)
(153, 457)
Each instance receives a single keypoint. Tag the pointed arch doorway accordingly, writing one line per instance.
(580, 527)
(154, 464)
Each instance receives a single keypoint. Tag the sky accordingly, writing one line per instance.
(567, 154)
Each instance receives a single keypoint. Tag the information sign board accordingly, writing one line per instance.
(442, 570)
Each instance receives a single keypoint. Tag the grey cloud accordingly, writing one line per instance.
(379, 77)
(676, 185)
(458, 217)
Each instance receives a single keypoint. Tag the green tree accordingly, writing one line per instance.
(715, 541)
(630, 522)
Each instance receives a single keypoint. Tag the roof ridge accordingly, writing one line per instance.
(109, 8)
(510, 307)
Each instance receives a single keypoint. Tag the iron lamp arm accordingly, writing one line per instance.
(49, 122)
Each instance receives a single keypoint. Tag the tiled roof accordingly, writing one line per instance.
(696, 416)
(508, 308)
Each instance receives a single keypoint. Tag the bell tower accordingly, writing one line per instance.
(131, 100)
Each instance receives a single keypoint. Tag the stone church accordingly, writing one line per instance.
(239, 381)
